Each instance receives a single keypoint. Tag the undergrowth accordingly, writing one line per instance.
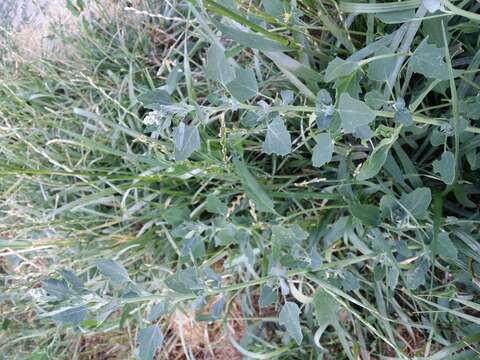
(244, 179)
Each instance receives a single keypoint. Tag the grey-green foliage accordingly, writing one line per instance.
(155, 97)
(324, 109)
(149, 341)
(339, 68)
(215, 206)
(74, 281)
(278, 140)
(57, 288)
(288, 235)
(253, 189)
(72, 316)
(445, 167)
(416, 275)
(375, 99)
(377, 158)
(417, 202)
(366, 213)
(277, 8)
(396, 17)
(323, 150)
(255, 218)
(326, 307)
(187, 140)
(380, 69)
(267, 296)
(471, 107)
(249, 39)
(402, 113)
(354, 113)
(432, 5)
(218, 67)
(113, 270)
(184, 281)
(445, 247)
(428, 61)
(244, 86)
(290, 318)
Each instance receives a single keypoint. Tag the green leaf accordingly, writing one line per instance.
(283, 61)
(278, 139)
(226, 235)
(363, 132)
(184, 281)
(375, 161)
(354, 113)
(218, 68)
(71, 278)
(387, 205)
(471, 108)
(253, 189)
(158, 310)
(57, 288)
(250, 39)
(403, 117)
(193, 247)
(326, 307)
(416, 276)
(417, 202)
(396, 17)
(432, 5)
(290, 318)
(287, 96)
(392, 277)
(215, 206)
(428, 61)
(113, 270)
(323, 99)
(244, 87)
(149, 341)
(350, 282)
(340, 68)
(367, 214)
(287, 236)
(324, 109)
(336, 231)
(375, 99)
(172, 80)
(323, 150)
(267, 296)
(155, 97)
(381, 69)
(75, 7)
(217, 308)
(461, 194)
(73, 316)
(473, 159)
(349, 84)
(187, 140)
(445, 247)
(276, 8)
(445, 167)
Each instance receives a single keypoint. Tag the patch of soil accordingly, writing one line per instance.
(33, 24)
(205, 340)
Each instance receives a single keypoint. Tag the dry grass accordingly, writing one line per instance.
(204, 340)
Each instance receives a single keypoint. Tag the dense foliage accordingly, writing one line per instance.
(300, 176)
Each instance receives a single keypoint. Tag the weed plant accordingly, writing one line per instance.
(299, 177)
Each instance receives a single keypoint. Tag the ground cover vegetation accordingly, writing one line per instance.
(244, 179)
